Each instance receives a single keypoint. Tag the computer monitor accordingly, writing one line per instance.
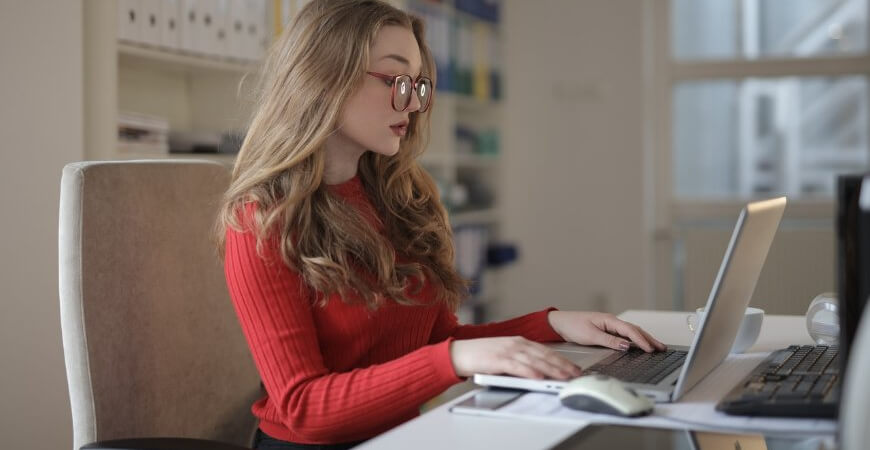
(853, 256)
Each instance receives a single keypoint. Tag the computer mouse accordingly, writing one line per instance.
(605, 395)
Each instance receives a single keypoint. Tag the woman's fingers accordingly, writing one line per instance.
(510, 355)
(608, 340)
(516, 367)
(632, 332)
(554, 364)
(656, 343)
(529, 359)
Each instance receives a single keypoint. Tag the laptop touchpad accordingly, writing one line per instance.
(580, 354)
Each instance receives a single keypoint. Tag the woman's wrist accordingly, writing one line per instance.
(553, 318)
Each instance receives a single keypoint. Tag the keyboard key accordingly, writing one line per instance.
(804, 388)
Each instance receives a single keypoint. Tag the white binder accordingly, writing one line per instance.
(170, 25)
(129, 21)
(219, 36)
(254, 15)
(205, 28)
(188, 25)
(150, 27)
(236, 28)
(255, 41)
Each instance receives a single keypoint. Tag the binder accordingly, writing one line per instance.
(282, 11)
(129, 21)
(170, 35)
(205, 28)
(441, 51)
(150, 27)
(464, 57)
(254, 43)
(236, 29)
(217, 44)
(188, 25)
(263, 37)
(480, 61)
(495, 65)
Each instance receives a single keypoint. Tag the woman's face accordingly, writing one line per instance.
(368, 119)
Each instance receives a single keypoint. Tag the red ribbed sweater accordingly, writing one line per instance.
(343, 373)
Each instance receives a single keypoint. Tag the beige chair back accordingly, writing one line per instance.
(152, 345)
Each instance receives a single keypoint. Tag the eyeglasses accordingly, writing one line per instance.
(402, 87)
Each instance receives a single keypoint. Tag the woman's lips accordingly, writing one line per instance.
(399, 130)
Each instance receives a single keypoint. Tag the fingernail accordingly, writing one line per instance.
(623, 346)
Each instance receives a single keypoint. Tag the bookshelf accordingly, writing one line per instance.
(463, 154)
(193, 91)
(196, 92)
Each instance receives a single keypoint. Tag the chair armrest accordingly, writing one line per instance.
(161, 444)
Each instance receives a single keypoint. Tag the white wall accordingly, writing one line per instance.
(40, 130)
(573, 140)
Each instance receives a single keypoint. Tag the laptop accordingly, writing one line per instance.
(666, 376)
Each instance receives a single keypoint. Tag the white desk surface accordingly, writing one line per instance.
(439, 429)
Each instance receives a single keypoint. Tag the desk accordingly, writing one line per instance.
(439, 429)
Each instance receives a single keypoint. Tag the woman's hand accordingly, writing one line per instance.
(594, 328)
(513, 355)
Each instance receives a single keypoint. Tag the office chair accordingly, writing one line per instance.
(152, 346)
(855, 400)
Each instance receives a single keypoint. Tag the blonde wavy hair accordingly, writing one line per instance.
(309, 73)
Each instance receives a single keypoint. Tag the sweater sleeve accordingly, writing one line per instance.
(534, 326)
(320, 406)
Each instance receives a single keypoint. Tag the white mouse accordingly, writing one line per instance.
(604, 395)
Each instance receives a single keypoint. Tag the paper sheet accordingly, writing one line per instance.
(696, 410)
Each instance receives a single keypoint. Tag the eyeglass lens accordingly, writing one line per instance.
(404, 88)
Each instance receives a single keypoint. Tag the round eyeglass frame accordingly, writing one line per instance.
(415, 87)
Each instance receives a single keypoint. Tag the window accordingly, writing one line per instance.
(764, 136)
(737, 134)
(751, 99)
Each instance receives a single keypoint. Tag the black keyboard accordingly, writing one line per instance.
(638, 366)
(799, 381)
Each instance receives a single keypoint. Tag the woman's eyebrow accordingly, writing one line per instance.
(399, 58)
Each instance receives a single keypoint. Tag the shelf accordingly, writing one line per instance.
(435, 159)
(480, 216)
(461, 161)
(184, 62)
(467, 103)
(476, 161)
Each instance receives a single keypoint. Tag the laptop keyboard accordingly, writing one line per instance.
(799, 381)
(638, 366)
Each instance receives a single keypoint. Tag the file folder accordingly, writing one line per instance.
(129, 21)
(188, 26)
(170, 36)
(150, 27)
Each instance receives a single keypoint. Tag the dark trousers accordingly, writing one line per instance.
(263, 441)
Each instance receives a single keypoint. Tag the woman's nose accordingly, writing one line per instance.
(415, 102)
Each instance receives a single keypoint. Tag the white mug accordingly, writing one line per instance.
(747, 334)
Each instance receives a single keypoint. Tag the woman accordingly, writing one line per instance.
(338, 253)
